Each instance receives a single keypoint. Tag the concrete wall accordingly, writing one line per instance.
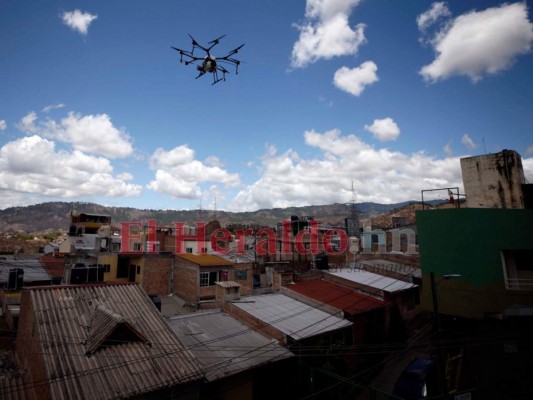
(493, 180)
(469, 242)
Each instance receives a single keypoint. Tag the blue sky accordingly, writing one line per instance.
(389, 95)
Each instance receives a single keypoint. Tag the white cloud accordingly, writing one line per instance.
(448, 149)
(32, 165)
(355, 80)
(53, 107)
(480, 42)
(384, 129)
(90, 133)
(179, 174)
(437, 11)
(468, 142)
(3, 125)
(326, 32)
(78, 21)
(527, 164)
(379, 175)
(27, 123)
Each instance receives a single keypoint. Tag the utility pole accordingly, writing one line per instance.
(441, 365)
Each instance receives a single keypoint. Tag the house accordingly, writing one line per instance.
(288, 320)
(101, 341)
(15, 274)
(477, 278)
(375, 321)
(238, 361)
(195, 276)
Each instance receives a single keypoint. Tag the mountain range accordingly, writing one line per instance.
(56, 215)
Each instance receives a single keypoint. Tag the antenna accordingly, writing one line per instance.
(352, 222)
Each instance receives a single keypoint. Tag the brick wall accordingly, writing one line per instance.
(247, 285)
(156, 275)
(186, 282)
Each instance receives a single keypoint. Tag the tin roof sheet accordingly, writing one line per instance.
(399, 268)
(336, 296)
(223, 345)
(33, 270)
(376, 281)
(292, 317)
(64, 317)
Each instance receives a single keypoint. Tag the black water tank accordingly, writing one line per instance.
(156, 300)
(16, 279)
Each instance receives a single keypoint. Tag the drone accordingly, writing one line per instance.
(210, 63)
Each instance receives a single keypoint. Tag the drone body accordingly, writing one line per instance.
(210, 63)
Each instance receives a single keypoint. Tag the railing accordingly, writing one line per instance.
(519, 284)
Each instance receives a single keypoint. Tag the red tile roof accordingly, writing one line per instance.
(336, 296)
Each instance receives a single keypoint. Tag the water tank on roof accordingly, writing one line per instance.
(16, 279)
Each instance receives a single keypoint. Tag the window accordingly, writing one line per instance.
(136, 246)
(241, 274)
(107, 267)
(518, 269)
(208, 278)
(188, 250)
(138, 269)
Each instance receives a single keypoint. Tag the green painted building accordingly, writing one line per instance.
(492, 250)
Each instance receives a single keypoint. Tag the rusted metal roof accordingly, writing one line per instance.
(224, 345)
(292, 317)
(205, 260)
(336, 296)
(68, 319)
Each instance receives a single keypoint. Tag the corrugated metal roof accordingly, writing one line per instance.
(205, 260)
(12, 387)
(64, 317)
(228, 284)
(336, 296)
(33, 270)
(86, 242)
(290, 316)
(223, 345)
(387, 265)
(376, 281)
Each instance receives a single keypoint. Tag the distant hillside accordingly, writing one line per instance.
(56, 215)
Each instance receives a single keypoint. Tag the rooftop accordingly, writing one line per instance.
(223, 345)
(34, 270)
(375, 281)
(336, 296)
(205, 260)
(92, 327)
(291, 317)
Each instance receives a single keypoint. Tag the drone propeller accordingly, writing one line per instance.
(194, 42)
(215, 41)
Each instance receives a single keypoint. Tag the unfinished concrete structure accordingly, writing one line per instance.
(494, 180)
